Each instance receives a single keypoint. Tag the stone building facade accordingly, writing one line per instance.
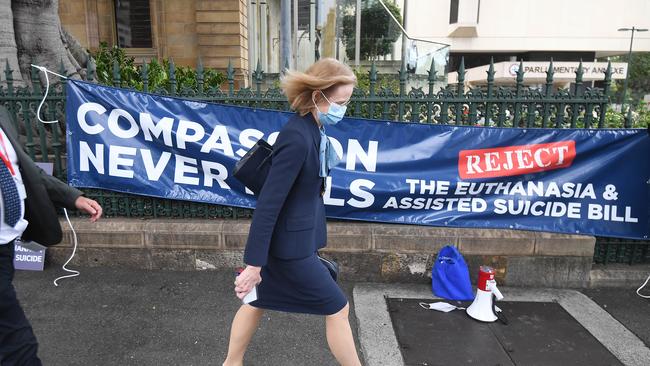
(183, 30)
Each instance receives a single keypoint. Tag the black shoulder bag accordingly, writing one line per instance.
(253, 167)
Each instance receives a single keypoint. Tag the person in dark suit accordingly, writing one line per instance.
(27, 200)
(289, 226)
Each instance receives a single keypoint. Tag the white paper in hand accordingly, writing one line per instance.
(251, 296)
(441, 306)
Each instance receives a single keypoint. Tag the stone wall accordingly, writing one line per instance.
(216, 31)
(366, 252)
(222, 33)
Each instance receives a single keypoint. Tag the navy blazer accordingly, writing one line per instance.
(289, 218)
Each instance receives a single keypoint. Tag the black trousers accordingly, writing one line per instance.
(18, 346)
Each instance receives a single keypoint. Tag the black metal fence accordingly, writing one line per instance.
(517, 106)
(612, 250)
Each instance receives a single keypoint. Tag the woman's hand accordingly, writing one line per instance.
(246, 280)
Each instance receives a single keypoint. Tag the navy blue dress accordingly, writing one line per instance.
(289, 226)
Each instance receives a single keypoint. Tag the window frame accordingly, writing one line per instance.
(138, 50)
(453, 11)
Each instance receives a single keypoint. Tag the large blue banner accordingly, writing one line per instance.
(593, 182)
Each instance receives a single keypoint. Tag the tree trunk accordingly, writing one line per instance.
(8, 50)
(40, 40)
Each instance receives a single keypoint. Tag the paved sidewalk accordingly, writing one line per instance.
(627, 307)
(109, 316)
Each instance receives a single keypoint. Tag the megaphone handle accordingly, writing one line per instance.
(496, 292)
(492, 287)
(499, 314)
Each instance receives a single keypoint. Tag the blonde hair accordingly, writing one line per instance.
(322, 75)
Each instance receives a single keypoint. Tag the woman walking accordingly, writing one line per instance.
(289, 224)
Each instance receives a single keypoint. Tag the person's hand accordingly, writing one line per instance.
(89, 206)
(246, 280)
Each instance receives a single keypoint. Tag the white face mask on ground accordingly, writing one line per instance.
(440, 306)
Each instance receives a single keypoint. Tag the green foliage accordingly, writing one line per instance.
(106, 56)
(158, 73)
(640, 117)
(383, 81)
(378, 30)
(614, 119)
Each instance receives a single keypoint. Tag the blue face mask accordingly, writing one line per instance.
(334, 113)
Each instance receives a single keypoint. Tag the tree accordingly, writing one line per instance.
(639, 82)
(639, 79)
(378, 30)
(31, 33)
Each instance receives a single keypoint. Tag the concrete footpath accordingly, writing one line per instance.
(112, 316)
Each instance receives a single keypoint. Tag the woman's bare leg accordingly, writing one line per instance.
(241, 332)
(339, 338)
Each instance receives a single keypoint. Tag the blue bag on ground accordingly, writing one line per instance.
(450, 276)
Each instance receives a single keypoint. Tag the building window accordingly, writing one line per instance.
(133, 22)
(453, 12)
(304, 11)
(469, 6)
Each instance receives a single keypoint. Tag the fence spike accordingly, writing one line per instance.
(402, 91)
(286, 66)
(432, 71)
(432, 81)
(372, 74)
(145, 75)
(62, 70)
(628, 118)
(490, 72)
(116, 73)
(172, 76)
(606, 89)
(172, 68)
(91, 68)
(518, 92)
(578, 88)
(10, 83)
(520, 72)
(258, 73)
(402, 72)
(490, 87)
(461, 77)
(608, 72)
(550, 72)
(579, 72)
(36, 81)
(199, 75)
(230, 73)
(608, 80)
(8, 71)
